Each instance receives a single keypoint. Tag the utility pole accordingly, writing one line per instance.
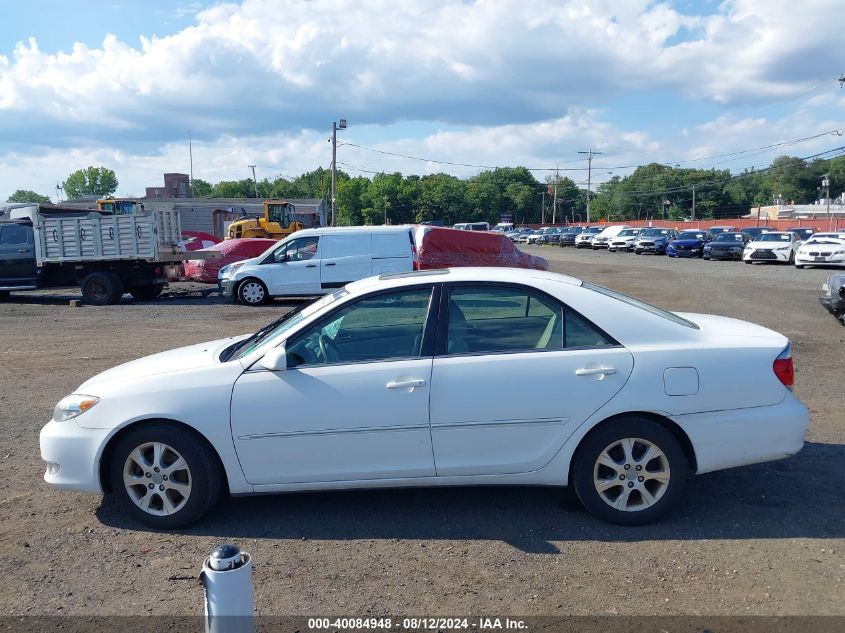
(58, 193)
(543, 208)
(826, 185)
(554, 200)
(590, 153)
(191, 159)
(337, 125)
(254, 181)
(693, 202)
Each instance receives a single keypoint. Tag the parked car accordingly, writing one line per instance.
(316, 261)
(822, 249)
(804, 233)
(777, 246)
(713, 231)
(523, 239)
(624, 241)
(832, 296)
(583, 239)
(375, 383)
(553, 236)
(753, 231)
(472, 226)
(601, 240)
(653, 240)
(538, 236)
(687, 244)
(568, 237)
(726, 246)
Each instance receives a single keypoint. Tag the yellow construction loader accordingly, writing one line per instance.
(276, 223)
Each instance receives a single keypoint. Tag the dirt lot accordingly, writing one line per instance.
(765, 539)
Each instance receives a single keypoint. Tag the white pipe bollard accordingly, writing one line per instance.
(226, 577)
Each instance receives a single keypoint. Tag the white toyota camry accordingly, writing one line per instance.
(399, 381)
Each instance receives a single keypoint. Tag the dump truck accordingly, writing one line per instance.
(105, 254)
(275, 223)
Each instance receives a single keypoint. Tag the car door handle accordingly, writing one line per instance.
(595, 371)
(310, 265)
(23, 250)
(331, 264)
(405, 384)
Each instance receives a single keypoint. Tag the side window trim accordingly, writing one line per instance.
(441, 340)
(429, 329)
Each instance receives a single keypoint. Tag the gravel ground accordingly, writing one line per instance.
(764, 539)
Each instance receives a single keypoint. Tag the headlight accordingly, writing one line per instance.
(736, 249)
(73, 405)
(229, 269)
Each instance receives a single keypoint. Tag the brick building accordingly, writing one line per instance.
(175, 186)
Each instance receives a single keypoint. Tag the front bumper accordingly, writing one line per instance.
(728, 255)
(766, 255)
(227, 287)
(819, 259)
(687, 252)
(76, 452)
(724, 439)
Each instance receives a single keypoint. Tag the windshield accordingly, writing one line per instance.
(774, 237)
(593, 229)
(669, 316)
(691, 235)
(628, 233)
(654, 232)
(825, 240)
(729, 237)
(276, 330)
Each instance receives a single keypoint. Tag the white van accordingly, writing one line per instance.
(472, 226)
(315, 261)
(601, 240)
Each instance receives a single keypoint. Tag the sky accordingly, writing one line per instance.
(426, 86)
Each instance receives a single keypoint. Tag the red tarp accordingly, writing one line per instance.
(205, 270)
(444, 248)
(197, 240)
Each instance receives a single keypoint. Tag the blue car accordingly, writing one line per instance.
(688, 244)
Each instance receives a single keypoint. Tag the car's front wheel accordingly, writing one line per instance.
(252, 292)
(164, 476)
(629, 471)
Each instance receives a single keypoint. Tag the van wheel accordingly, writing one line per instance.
(252, 292)
(102, 288)
(629, 471)
(163, 476)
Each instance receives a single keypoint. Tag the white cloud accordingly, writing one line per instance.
(509, 81)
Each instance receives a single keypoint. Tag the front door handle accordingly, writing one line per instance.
(595, 371)
(332, 264)
(406, 384)
(23, 250)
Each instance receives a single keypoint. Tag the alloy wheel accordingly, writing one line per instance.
(631, 474)
(252, 292)
(157, 479)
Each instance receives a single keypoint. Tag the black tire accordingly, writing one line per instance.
(791, 258)
(204, 475)
(585, 468)
(748, 261)
(252, 292)
(102, 288)
(5, 294)
(146, 293)
(799, 266)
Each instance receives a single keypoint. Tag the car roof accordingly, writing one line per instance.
(329, 230)
(470, 273)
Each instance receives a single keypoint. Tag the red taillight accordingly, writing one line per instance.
(784, 368)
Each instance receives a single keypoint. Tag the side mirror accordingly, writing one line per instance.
(275, 359)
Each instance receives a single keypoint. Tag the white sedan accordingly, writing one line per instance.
(775, 246)
(398, 381)
(822, 249)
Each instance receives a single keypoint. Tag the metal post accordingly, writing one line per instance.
(693, 202)
(226, 577)
(590, 153)
(334, 170)
(254, 181)
(826, 185)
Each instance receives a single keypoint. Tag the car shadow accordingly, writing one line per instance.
(795, 498)
(180, 298)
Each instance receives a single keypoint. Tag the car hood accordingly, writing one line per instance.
(170, 362)
(766, 246)
(686, 242)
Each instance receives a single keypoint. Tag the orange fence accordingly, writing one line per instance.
(819, 224)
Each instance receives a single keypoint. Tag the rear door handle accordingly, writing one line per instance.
(406, 384)
(310, 265)
(595, 371)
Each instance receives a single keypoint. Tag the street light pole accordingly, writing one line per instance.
(826, 185)
(341, 125)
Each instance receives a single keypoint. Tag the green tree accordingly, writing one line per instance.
(25, 195)
(201, 188)
(91, 181)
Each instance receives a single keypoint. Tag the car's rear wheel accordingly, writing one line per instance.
(252, 292)
(629, 471)
(163, 476)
